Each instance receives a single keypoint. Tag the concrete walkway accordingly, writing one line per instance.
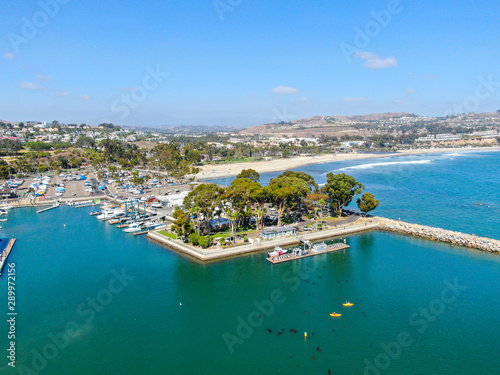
(220, 253)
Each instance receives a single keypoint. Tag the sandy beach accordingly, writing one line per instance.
(224, 170)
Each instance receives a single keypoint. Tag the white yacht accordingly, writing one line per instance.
(133, 228)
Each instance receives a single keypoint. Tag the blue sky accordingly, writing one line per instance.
(245, 62)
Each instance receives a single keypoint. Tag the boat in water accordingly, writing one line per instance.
(348, 304)
(136, 227)
(277, 252)
(335, 314)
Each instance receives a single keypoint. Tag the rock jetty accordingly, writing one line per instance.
(438, 234)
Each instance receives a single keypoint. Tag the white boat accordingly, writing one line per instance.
(106, 214)
(133, 228)
(277, 251)
(156, 205)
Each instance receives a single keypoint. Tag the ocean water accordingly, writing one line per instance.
(93, 300)
(457, 191)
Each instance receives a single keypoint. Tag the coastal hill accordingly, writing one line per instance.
(328, 125)
(366, 125)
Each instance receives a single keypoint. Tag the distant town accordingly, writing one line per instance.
(32, 146)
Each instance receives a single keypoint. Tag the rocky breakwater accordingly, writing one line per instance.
(438, 234)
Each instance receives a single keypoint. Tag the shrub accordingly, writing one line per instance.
(194, 238)
(204, 241)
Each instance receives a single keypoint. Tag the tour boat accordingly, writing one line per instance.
(277, 251)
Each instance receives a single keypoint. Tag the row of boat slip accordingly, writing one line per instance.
(279, 255)
(147, 225)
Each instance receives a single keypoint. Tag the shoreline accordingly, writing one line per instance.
(278, 165)
(361, 225)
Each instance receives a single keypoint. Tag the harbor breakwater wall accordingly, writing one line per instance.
(438, 234)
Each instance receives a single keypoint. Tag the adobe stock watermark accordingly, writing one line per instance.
(130, 101)
(265, 308)
(87, 310)
(223, 6)
(31, 26)
(283, 115)
(483, 91)
(420, 320)
(363, 37)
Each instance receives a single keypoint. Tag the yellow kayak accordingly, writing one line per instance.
(335, 314)
(348, 304)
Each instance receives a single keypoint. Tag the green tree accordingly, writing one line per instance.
(204, 241)
(316, 201)
(193, 156)
(367, 203)
(251, 174)
(182, 224)
(84, 141)
(5, 169)
(286, 193)
(204, 200)
(341, 189)
(304, 176)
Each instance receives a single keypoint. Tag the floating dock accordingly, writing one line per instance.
(55, 205)
(289, 256)
(5, 255)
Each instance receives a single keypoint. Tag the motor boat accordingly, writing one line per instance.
(277, 251)
(133, 228)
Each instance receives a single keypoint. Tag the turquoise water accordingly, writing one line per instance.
(457, 191)
(174, 315)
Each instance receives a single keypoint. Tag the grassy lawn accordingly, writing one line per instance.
(228, 233)
(332, 218)
(167, 234)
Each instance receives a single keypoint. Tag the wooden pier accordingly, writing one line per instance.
(288, 256)
(5, 255)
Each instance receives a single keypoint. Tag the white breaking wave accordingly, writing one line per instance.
(374, 165)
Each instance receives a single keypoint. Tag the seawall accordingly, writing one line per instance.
(438, 234)
(220, 253)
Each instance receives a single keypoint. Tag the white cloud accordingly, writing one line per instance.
(358, 100)
(8, 55)
(284, 90)
(410, 91)
(84, 97)
(399, 101)
(374, 61)
(44, 78)
(62, 93)
(31, 86)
